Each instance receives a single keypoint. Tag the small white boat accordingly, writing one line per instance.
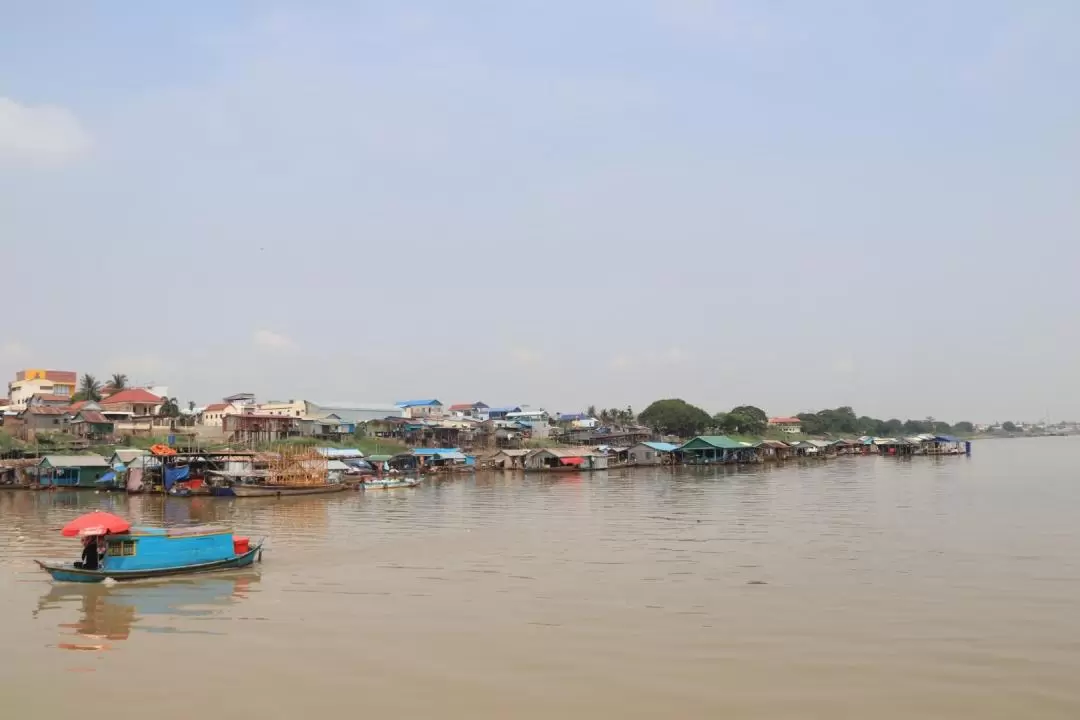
(372, 483)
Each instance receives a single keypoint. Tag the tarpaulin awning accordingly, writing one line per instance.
(106, 478)
(573, 461)
(174, 475)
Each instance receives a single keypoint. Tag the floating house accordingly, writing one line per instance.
(554, 459)
(510, 459)
(713, 449)
(75, 471)
(652, 453)
(773, 451)
(124, 456)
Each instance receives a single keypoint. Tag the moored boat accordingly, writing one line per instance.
(113, 549)
(269, 490)
(387, 483)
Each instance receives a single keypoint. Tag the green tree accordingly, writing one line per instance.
(1008, 426)
(89, 389)
(118, 381)
(591, 412)
(674, 416)
(739, 421)
(914, 427)
(871, 426)
(964, 427)
(191, 406)
(169, 408)
(753, 412)
(813, 423)
(942, 428)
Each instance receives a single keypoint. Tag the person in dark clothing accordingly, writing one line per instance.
(89, 555)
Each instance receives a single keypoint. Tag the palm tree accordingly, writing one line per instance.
(169, 408)
(89, 388)
(191, 406)
(118, 382)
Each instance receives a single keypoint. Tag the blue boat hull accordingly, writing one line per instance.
(69, 573)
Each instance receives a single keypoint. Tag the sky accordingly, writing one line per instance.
(788, 204)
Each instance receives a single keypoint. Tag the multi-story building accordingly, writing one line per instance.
(791, 425)
(29, 383)
(421, 408)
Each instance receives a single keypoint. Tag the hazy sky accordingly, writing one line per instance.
(791, 204)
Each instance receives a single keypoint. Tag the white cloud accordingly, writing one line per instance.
(40, 134)
(525, 356)
(271, 340)
(674, 356)
(14, 351)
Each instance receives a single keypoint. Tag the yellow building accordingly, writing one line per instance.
(29, 383)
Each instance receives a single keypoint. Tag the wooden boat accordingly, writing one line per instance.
(142, 552)
(269, 490)
(387, 483)
(294, 471)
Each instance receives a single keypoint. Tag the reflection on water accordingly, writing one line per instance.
(109, 612)
(861, 587)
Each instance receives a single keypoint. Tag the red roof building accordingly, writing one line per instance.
(137, 401)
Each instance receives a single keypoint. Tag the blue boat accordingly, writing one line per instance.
(143, 552)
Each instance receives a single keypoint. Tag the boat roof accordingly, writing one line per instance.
(181, 531)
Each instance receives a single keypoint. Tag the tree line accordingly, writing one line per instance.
(675, 416)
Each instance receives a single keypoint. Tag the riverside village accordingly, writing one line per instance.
(63, 430)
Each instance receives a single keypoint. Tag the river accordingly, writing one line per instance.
(854, 588)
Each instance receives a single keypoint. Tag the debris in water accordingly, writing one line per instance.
(757, 582)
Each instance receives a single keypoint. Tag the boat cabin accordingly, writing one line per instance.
(144, 548)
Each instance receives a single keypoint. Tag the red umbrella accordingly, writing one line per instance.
(98, 521)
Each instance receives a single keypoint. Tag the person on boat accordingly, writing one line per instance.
(91, 560)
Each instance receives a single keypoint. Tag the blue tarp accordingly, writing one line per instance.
(107, 478)
(947, 439)
(174, 475)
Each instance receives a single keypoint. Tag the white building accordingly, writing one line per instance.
(791, 425)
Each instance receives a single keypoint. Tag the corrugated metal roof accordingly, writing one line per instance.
(47, 410)
(336, 465)
(662, 446)
(340, 452)
(417, 403)
(51, 398)
(71, 461)
(562, 452)
(91, 416)
(722, 442)
(126, 455)
(435, 451)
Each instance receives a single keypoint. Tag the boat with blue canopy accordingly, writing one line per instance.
(113, 549)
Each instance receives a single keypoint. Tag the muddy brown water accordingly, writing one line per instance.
(857, 588)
